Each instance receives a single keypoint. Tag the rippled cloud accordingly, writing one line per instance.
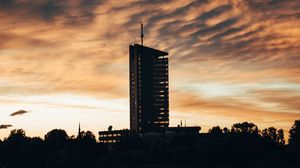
(234, 58)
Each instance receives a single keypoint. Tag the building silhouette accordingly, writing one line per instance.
(114, 136)
(149, 97)
(149, 89)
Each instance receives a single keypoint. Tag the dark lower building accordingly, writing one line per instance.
(182, 133)
(167, 134)
(183, 130)
(115, 136)
(149, 89)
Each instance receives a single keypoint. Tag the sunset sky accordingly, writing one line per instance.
(65, 62)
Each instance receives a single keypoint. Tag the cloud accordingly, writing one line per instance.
(286, 100)
(228, 33)
(72, 12)
(214, 12)
(229, 110)
(80, 47)
(19, 112)
(5, 126)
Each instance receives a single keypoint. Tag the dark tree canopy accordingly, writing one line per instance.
(88, 137)
(17, 136)
(226, 130)
(280, 137)
(245, 127)
(56, 137)
(294, 138)
(243, 145)
(17, 133)
(215, 131)
(270, 133)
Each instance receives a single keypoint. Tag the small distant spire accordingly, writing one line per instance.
(142, 34)
(180, 123)
(79, 130)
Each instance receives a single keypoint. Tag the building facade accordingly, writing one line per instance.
(115, 136)
(149, 89)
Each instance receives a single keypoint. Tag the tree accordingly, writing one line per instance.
(280, 137)
(17, 133)
(17, 137)
(294, 142)
(56, 138)
(226, 130)
(294, 138)
(88, 137)
(272, 135)
(215, 131)
(245, 127)
(14, 147)
(243, 145)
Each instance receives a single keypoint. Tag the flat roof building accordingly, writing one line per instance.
(149, 97)
(149, 89)
(114, 136)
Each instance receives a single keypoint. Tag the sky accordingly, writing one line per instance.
(65, 62)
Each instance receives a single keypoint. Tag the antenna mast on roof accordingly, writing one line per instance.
(142, 34)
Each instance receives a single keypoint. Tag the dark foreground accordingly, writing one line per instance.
(244, 145)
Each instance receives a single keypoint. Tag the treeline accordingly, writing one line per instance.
(243, 145)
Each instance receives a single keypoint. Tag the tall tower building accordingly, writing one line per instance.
(149, 89)
(149, 96)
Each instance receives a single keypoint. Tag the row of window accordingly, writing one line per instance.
(160, 86)
(108, 141)
(110, 135)
(161, 122)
